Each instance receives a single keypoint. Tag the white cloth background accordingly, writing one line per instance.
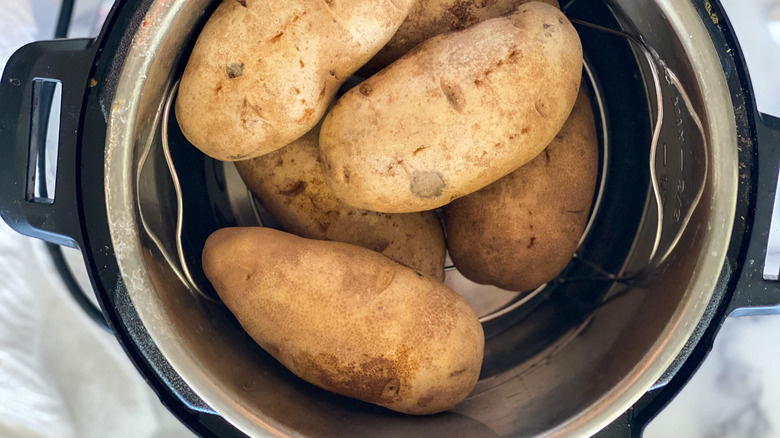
(61, 376)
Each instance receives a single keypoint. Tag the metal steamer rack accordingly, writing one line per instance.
(677, 181)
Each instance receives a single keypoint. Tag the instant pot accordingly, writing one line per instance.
(681, 233)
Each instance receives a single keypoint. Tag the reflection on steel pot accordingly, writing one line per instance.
(682, 199)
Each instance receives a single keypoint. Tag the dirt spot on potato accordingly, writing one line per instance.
(295, 190)
(380, 245)
(276, 37)
(391, 388)
(427, 183)
(453, 93)
(307, 114)
(531, 242)
(365, 89)
(375, 380)
(300, 61)
(246, 104)
(242, 2)
(458, 372)
(462, 15)
(420, 149)
(547, 157)
(324, 226)
(424, 401)
(235, 70)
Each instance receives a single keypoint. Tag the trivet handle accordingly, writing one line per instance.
(758, 289)
(771, 269)
(41, 98)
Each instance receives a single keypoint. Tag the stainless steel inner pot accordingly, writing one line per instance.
(565, 363)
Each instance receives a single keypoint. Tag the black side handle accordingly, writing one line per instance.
(43, 86)
(758, 289)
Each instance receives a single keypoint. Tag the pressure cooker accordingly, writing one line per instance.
(683, 232)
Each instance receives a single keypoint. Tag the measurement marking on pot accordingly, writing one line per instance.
(665, 161)
(679, 120)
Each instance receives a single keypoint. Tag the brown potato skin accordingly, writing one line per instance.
(429, 18)
(290, 185)
(348, 319)
(455, 114)
(262, 74)
(521, 231)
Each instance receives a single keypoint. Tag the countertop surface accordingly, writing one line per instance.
(61, 376)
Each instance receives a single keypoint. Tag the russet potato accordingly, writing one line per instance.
(455, 114)
(263, 73)
(348, 319)
(521, 231)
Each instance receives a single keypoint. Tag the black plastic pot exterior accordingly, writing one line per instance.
(88, 70)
